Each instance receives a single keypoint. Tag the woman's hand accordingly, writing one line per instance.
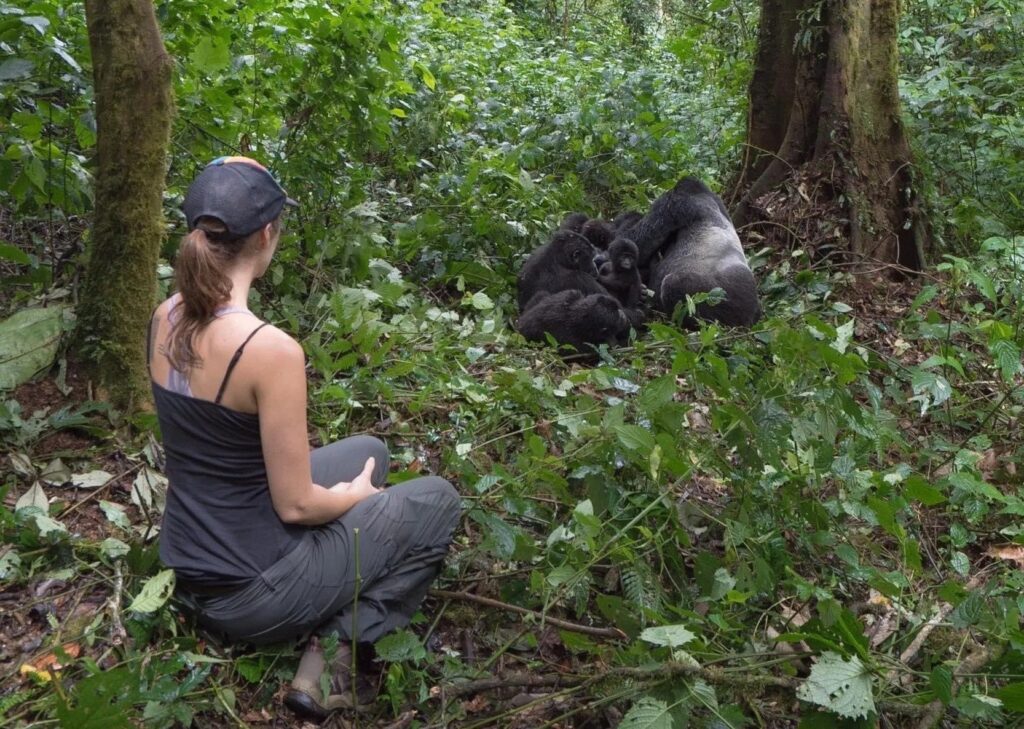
(360, 487)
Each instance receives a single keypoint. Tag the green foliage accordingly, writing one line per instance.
(841, 686)
(722, 493)
(962, 93)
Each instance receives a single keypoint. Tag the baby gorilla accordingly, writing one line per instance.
(574, 320)
(567, 262)
(620, 275)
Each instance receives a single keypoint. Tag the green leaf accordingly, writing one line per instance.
(115, 514)
(28, 343)
(251, 670)
(401, 646)
(844, 334)
(36, 21)
(16, 255)
(918, 488)
(942, 683)
(114, 548)
(16, 68)
(984, 284)
(500, 538)
(482, 301)
(839, 685)
(671, 636)
(647, 713)
(1012, 696)
(426, 75)
(930, 389)
(971, 484)
(1007, 357)
(635, 438)
(211, 54)
(46, 525)
(155, 593)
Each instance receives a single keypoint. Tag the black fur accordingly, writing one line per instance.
(565, 263)
(573, 222)
(626, 220)
(622, 276)
(599, 232)
(691, 246)
(574, 320)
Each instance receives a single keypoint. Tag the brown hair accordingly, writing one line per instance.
(201, 279)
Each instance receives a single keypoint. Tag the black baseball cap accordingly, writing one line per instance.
(239, 192)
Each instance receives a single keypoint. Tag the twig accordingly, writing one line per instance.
(944, 610)
(403, 721)
(614, 633)
(97, 491)
(120, 634)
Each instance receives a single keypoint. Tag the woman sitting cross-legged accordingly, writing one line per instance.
(262, 534)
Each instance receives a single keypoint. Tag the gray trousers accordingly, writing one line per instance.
(401, 536)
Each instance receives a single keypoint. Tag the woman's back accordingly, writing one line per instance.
(220, 526)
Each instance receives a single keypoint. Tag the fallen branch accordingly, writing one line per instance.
(404, 721)
(716, 676)
(944, 610)
(120, 635)
(613, 633)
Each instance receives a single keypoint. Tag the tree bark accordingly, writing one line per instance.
(134, 106)
(824, 127)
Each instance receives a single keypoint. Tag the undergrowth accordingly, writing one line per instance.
(821, 514)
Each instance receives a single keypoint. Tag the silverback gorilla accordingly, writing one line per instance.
(699, 251)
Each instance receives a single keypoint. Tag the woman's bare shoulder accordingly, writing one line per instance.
(272, 342)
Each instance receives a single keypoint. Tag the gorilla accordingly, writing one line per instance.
(699, 251)
(626, 220)
(620, 275)
(598, 232)
(574, 222)
(567, 262)
(574, 320)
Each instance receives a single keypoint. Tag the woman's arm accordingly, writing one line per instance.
(280, 391)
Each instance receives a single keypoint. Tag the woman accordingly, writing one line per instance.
(263, 535)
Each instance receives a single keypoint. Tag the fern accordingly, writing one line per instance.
(9, 702)
(640, 586)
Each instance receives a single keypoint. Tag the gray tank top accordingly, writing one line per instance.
(219, 526)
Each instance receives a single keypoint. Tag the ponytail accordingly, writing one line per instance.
(204, 286)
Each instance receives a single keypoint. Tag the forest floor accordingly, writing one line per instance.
(39, 610)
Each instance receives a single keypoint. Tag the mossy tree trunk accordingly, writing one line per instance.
(825, 122)
(134, 105)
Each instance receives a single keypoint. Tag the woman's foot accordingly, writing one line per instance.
(305, 696)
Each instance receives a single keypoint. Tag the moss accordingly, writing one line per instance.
(134, 105)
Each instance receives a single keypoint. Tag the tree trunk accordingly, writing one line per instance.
(134, 105)
(827, 149)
